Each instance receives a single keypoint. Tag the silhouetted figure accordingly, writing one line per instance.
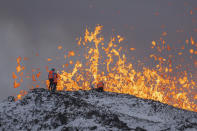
(52, 76)
(100, 86)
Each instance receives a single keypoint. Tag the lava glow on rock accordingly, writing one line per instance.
(166, 81)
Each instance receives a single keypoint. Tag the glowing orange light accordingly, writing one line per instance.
(49, 59)
(16, 85)
(132, 49)
(38, 75)
(14, 76)
(71, 53)
(33, 77)
(191, 51)
(59, 47)
(19, 96)
(164, 34)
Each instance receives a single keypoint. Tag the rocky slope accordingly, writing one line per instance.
(91, 110)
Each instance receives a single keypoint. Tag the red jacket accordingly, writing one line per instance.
(100, 84)
(51, 75)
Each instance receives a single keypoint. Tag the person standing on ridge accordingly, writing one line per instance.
(51, 77)
(100, 86)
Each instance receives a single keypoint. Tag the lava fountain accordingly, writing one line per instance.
(166, 81)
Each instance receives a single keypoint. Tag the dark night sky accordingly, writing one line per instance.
(39, 26)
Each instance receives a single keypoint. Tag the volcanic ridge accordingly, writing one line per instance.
(91, 110)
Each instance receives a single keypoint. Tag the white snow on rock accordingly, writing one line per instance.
(91, 110)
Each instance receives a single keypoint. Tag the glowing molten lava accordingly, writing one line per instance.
(165, 81)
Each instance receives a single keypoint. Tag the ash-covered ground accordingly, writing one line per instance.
(90, 110)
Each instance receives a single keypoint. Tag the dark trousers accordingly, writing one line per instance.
(54, 86)
(99, 89)
(51, 84)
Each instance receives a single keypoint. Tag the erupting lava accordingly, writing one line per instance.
(165, 81)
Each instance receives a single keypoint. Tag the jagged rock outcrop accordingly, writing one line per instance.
(91, 110)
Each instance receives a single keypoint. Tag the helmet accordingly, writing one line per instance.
(53, 69)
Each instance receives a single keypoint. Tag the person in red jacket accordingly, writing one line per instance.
(100, 86)
(51, 78)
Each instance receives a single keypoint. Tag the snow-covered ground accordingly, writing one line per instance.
(91, 110)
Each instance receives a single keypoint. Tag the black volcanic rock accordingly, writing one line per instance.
(91, 110)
